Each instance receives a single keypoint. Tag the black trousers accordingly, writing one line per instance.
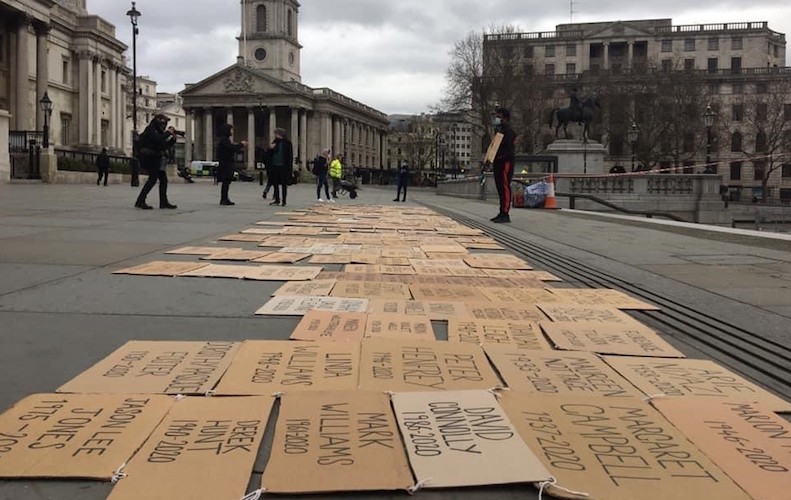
(155, 175)
(503, 175)
(401, 185)
(103, 173)
(226, 184)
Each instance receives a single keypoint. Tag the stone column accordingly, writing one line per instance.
(97, 105)
(337, 142)
(42, 72)
(324, 132)
(251, 139)
(630, 57)
(606, 50)
(294, 137)
(303, 137)
(22, 119)
(120, 108)
(86, 104)
(208, 134)
(189, 139)
(272, 124)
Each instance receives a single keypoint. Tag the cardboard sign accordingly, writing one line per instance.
(399, 365)
(140, 367)
(538, 275)
(393, 261)
(331, 326)
(454, 248)
(750, 443)
(341, 276)
(264, 367)
(368, 258)
(497, 261)
(601, 297)
(236, 255)
(318, 288)
(693, 378)
(330, 259)
(282, 258)
(246, 238)
(614, 449)
(76, 436)
(362, 268)
(162, 268)
(335, 442)
(397, 270)
(623, 340)
(521, 296)
(559, 373)
(371, 290)
(508, 313)
(473, 281)
(403, 252)
(200, 250)
(221, 271)
(570, 313)
(494, 146)
(447, 293)
(284, 273)
(463, 438)
(436, 311)
(204, 449)
(517, 334)
(395, 326)
(287, 305)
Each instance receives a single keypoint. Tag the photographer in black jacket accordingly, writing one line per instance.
(154, 143)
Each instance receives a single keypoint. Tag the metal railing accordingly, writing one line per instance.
(89, 158)
(20, 141)
(650, 214)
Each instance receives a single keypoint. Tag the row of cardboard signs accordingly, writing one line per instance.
(361, 416)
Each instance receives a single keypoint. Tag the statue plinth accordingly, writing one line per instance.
(577, 157)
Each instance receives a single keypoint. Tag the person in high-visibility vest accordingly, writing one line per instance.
(336, 173)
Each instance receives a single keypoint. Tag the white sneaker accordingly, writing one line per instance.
(332, 200)
(320, 200)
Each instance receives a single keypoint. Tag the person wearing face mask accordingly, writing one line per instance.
(154, 143)
(503, 165)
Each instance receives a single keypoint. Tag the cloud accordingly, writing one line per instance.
(389, 55)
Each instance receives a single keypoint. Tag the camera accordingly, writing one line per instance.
(180, 133)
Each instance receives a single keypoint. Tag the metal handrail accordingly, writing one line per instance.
(573, 196)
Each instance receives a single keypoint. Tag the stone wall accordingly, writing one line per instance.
(5, 158)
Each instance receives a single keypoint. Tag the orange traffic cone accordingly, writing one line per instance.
(551, 203)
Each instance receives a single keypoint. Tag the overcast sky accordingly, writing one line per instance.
(389, 54)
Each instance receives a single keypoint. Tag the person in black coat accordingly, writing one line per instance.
(503, 165)
(321, 166)
(403, 180)
(153, 144)
(281, 157)
(226, 156)
(103, 166)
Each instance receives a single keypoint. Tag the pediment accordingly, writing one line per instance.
(238, 80)
(618, 29)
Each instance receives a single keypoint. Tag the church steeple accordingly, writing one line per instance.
(270, 37)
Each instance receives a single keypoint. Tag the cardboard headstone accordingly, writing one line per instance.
(220, 271)
(336, 442)
(494, 146)
(284, 273)
(749, 442)
(497, 261)
(398, 365)
(163, 268)
(205, 449)
(447, 293)
(463, 438)
(263, 367)
(331, 326)
(157, 367)
(436, 311)
(371, 290)
(76, 436)
(397, 270)
(330, 259)
(299, 305)
(200, 250)
(246, 238)
(614, 449)
(517, 334)
(623, 340)
(538, 275)
(362, 269)
(282, 258)
(521, 296)
(236, 255)
(693, 378)
(572, 313)
(513, 312)
(396, 326)
(393, 261)
(601, 297)
(318, 288)
(559, 373)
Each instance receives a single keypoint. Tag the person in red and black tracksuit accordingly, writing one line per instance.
(503, 166)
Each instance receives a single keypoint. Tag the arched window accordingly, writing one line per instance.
(260, 18)
(736, 142)
(290, 23)
(760, 142)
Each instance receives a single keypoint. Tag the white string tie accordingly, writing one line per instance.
(210, 393)
(390, 394)
(254, 495)
(648, 399)
(418, 486)
(119, 474)
(554, 483)
(277, 395)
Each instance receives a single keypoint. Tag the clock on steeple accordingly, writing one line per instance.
(269, 40)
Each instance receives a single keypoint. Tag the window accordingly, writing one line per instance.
(529, 52)
(712, 64)
(571, 69)
(667, 45)
(65, 129)
(761, 88)
(66, 71)
(786, 171)
(571, 50)
(689, 64)
(549, 69)
(260, 18)
(775, 51)
(714, 44)
(290, 23)
(760, 142)
(760, 170)
(736, 64)
(736, 171)
(549, 51)
(761, 111)
(738, 88)
(667, 65)
(104, 81)
(714, 89)
(689, 45)
(737, 112)
(2, 49)
(736, 142)
(736, 43)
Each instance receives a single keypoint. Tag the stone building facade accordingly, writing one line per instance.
(263, 91)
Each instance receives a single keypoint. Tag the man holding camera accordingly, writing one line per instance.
(154, 143)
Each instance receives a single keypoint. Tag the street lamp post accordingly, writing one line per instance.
(46, 106)
(134, 14)
(708, 120)
(633, 134)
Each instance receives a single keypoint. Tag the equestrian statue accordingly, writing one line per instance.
(580, 111)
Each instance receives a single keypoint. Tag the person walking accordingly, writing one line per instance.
(103, 166)
(321, 170)
(154, 142)
(403, 180)
(281, 156)
(226, 156)
(503, 165)
(336, 173)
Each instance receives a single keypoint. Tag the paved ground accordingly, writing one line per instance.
(61, 309)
